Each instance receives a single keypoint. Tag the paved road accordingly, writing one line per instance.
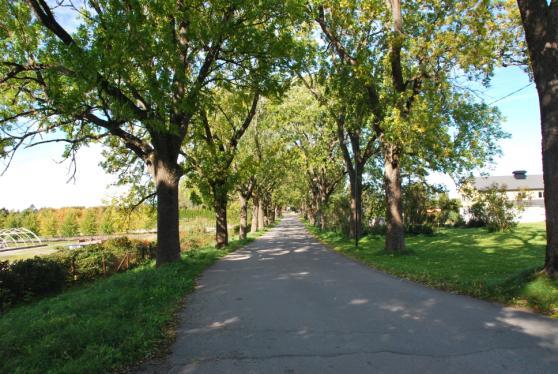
(286, 304)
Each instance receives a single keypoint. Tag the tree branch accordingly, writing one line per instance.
(333, 39)
(240, 131)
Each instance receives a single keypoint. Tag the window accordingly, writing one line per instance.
(540, 194)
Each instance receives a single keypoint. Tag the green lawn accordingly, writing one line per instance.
(495, 266)
(105, 326)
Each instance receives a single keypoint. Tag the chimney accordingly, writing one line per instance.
(520, 174)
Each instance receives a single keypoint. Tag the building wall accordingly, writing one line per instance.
(533, 203)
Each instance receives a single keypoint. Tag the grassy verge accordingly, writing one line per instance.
(105, 326)
(501, 267)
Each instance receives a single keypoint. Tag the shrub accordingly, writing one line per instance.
(193, 240)
(11, 286)
(94, 261)
(41, 276)
(478, 215)
(419, 229)
(118, 245)
(30, 278)
(377, 229)
(494, 210)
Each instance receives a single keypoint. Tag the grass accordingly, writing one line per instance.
(502, 267)
(106, 326)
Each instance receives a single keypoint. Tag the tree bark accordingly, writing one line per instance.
(395, 234)
(261, 215)
(243, 229)
(323, 202)
(540, 21)
(255, 211)
(220, 206)
(356, 203)
(272, 214)
(166, 177)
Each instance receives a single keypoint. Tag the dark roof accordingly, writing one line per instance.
(509, 182)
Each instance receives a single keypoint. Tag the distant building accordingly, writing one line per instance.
(529, 189)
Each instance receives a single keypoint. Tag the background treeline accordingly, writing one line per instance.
(75, 221)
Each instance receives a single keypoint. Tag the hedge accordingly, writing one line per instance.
(28, 279)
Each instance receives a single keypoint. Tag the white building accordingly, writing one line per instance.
(529, 187)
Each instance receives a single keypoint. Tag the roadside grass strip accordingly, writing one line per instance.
(502, 267)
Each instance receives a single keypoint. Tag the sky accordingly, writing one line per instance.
(36, 176)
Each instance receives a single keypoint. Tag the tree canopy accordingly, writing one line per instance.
(319, 105)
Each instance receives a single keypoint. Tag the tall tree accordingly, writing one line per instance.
(386, 64)
(133, 74)
(540, 21)
(214, 149)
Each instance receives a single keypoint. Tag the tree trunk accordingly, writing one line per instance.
(243, 229)
(395, 234)
(356, 204)
(255, 211)
(220, 206)
(272, 214)
(318, 216)
(168, 239)
(540, 21)
(261, 215)
(323, 203)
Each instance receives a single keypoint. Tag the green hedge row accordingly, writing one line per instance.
(25, 280)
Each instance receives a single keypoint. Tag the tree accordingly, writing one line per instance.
(244, 174)
(213, 153)
(88, 224)
(133, 75)
(48, 223)
(107, 222)
(69, 226)
(540, 21)
(394, 74)
(12, 221)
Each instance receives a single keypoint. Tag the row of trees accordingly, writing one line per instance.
(68, 222)
(373, 90)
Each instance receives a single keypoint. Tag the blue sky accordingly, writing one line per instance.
(522, 121)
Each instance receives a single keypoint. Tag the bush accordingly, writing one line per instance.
(193, 240)
(419, 230)
(377, 230)
(11, 286)
(494, 210)
(30, 278)
(113, 255)
(35, 277)
(40, 276)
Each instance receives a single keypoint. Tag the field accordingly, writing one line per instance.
(502, 267)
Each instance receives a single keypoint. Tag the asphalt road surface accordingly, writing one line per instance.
(286, 304)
